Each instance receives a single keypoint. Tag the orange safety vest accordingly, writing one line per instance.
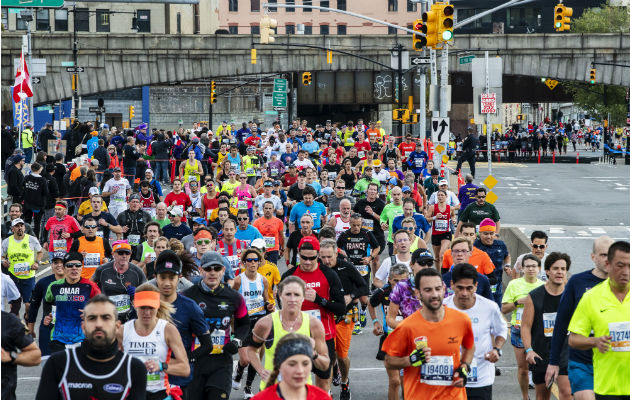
(93, 249)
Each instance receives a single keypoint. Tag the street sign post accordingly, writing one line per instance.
(419, 60)
(488, 103)
(37, 66)
(75, 69)
(280, 85)
(440, 130)
(466, 59)
(36, 79)
(279, 97)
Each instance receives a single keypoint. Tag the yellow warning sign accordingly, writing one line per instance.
(491, 197)
(445, 159)
(551, 83)
(490, 182)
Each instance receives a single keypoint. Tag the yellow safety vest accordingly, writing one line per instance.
(21, 257)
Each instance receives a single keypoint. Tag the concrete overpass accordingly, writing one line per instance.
(115, 61)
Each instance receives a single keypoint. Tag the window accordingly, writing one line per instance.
(179, 23)
(102, 20)
(43, 20)
(411, 6)
(391, 30)
(144, 21)
(341, 29)
(233, 5)
(255, 5)
(82, 19)
(523, 17)
(289, 3)
(392, 5)
(255, 30)
(273, 9)
(465, 13)
(341, 4)
(233, 29)
(20, 25)
(308, 29)
(61, 20)
(290, 29)
(308, 3)
(324, 29)
(5, 19)
(324, 3)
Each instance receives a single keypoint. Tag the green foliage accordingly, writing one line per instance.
(604, 19)
(590, 98)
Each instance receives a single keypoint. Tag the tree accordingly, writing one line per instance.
(604, 19)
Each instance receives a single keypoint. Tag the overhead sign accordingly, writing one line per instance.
(488, 103)
(33, 3)
(280, 85)
(279, 98)
(75, 69)
(466, 59)
(67, 63)
(440, 130)
(37, 67)
(419, 60)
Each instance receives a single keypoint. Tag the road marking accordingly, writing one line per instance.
(42, 272)
(556, 230)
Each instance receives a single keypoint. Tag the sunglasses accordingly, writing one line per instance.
(73, 265)
(215, 268)
(209, 183)
(539, 246)
(203, 241)
(481, 197)
(408, 228)
(305, 258)
(426, 263)
(252, 260)
(89, 226)
(340, 187)
(123, 253)
(243, 177)
(242, 219)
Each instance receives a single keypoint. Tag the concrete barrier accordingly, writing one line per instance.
(515, 240)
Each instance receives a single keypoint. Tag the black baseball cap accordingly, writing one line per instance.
(168, 261)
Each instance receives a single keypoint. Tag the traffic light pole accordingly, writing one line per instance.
(399, 72)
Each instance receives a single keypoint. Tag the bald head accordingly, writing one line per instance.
(600, 253)
(601, 244)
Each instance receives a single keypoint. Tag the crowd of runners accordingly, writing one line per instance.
(185, 264)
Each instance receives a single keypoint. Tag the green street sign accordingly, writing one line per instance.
(466, 59)
(43, 108)
(33, 3)
(271, 112)
(15, 10)
(67, 63)
(279, 99)
(280, 85)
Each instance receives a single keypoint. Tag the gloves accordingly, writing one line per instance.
(131, 290)
(231, 348)
(417, 357)
(463, 372)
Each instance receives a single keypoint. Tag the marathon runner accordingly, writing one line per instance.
(132, 221)
(96, 368)
(94, 249)
(117, 189)
(18, 348)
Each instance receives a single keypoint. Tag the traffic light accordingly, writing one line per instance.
(562, 18)
(253, 56)
(306, 78)
(267, 26)
(213, 92)
(429, 27)
(419, 41)
(445, 23)
(131, 112)
(593, 76)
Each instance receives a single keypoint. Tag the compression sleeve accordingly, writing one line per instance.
(36, 300)
(563, 317)
(204, 348)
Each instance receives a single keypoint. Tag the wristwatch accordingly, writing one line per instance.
(238, 342)
(499, 352)
(13, 355)
(516, 303)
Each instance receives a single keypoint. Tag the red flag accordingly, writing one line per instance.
(22, 87)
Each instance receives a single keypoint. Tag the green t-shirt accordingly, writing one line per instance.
(516, 289)
(390, 212)
(361, 187)
(229, 187)
(600, 312)
(430, 187)
(475, 213)
(162, 222)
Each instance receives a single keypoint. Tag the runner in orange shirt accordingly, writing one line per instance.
(272, 228)
(433, 367)
(479, 258)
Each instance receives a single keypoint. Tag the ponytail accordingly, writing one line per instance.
(273, 377)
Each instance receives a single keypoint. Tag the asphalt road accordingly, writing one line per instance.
(573, 203)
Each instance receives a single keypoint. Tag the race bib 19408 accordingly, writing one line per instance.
(21, 269)
(122, 301)
(620, 334)
(438, 371)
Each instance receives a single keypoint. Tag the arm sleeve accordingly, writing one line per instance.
(75, 245)
(336, 304)
(36, 300)
(48, 388)
(375, 298)
(563, 316)
(241, 321)
(108, 248)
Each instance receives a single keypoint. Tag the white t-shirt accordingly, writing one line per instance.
(118, 199)
(451, 199)
(487, 322)
(383, 271)
(261, 200)
(10, 292)
(306, 163)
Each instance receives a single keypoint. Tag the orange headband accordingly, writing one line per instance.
(488, 228)
(147, 298)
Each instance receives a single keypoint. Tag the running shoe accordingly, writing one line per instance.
(247, 393)
(336, 380)
(236, 379)
(363, 318)
(345, 391)
(357, 329)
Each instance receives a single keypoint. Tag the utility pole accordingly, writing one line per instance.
(75, 75)
(399, 48)
(488, 139)
(423, 100)
(29, 40)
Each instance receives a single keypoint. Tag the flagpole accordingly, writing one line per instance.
(31, 116)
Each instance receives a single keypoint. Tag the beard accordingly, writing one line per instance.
(100, 342)
(427, 303)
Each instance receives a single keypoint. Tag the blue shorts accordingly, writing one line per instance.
(580, 376)
(515, 337)
(25, 287)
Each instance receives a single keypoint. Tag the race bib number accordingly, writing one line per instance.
(249, 171)
(368, 224)
(620, 333)
(274, 171)
(60, 245)
(549, 321)
(150, 257)
(519, 315)
(99, 234)
(361, 154)
(234, 261)
(332, 175)
(92, 259)
(270, 241)
(122, 302)
(441, 225)
(314, 313)
(472, 374)
(438, 371)
(255, 306)
(133, 240)
(363, 269)
(21, 269)
(242, 205)
(154, 379)
(218, 340)
(418, 162)
(493, 288)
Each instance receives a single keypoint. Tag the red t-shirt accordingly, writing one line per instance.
(180, 199)
(318, 282)
(209, 205)
(362, 148)
(406, 149)
(289, 180)
(313, 393)
(339, 153)
(252, 141)
(56, 228)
